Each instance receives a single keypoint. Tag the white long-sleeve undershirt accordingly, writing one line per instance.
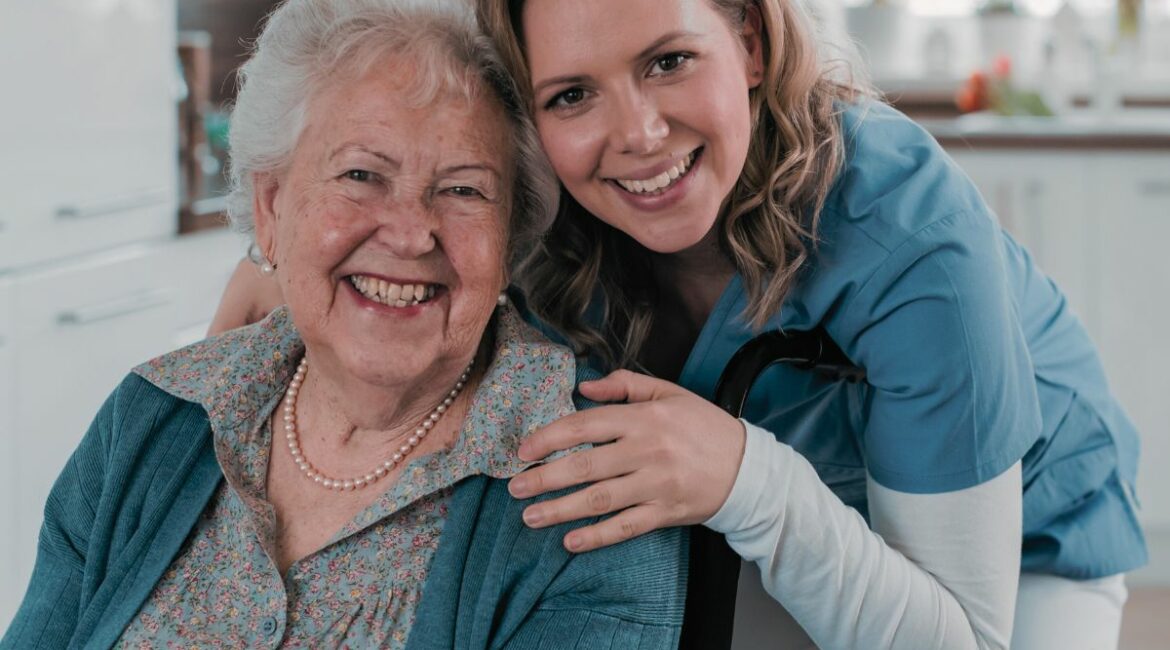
(936, 570)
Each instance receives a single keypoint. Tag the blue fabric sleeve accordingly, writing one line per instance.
(49, 613)
(954, 397)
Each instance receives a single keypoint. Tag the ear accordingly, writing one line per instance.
(265, 187)
(753, 43)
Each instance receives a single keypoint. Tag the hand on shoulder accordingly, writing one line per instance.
(664, 457)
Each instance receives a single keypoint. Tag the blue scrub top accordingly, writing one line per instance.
(974, 360)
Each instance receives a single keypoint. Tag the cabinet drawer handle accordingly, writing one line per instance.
(157, 196)
(1155, 188)
(114, 309)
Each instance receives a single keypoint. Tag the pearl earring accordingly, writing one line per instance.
(502, 299)
(267, 268)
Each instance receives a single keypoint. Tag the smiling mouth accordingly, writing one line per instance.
(662, 182)
(391, 294)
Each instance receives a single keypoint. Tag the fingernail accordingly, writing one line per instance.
(518, 487)
(574, 542)
(532, 516)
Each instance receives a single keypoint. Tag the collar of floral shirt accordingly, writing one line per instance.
(240, 377)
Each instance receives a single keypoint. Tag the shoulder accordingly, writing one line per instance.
(260, 354)
(137, 418)
(139, 404)
(902, 222)
(607, 598)
(642, 579)
(895, 180)
(140, 433)
(587, 368)
(646, 574)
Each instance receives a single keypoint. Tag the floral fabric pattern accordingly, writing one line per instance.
(362, 588)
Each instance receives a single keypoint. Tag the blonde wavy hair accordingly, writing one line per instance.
(769, 225)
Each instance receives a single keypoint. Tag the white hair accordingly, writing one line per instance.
(307, 43)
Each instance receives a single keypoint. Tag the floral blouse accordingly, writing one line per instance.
(361, 589)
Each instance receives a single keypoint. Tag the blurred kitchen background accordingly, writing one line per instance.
(113, 247)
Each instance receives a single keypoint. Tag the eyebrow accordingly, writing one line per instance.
(662, 40)
(351, 146)
(470, 167)
(645, 53)
(452, 169)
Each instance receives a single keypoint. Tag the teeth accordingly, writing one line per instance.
(388, 293)
(660, 181)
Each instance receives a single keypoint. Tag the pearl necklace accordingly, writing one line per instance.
(313, 474)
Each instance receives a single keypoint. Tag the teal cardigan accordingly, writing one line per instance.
(136, 486)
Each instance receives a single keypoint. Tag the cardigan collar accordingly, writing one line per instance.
(240, 377)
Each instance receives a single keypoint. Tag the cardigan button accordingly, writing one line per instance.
(268, 626)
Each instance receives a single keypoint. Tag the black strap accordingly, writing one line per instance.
(713, 579)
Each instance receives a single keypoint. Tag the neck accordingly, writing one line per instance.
(691, 281)
(343, 411)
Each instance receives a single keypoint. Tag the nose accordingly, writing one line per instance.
(408, 228)
(638, 126)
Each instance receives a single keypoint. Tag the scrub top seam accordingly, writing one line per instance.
(946, 219)
(891, 254)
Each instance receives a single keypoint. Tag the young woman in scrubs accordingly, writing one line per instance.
(720, 180)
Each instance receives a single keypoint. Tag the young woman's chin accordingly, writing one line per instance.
(666, 232)
(677, 240)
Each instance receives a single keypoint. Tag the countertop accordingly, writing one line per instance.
(1131, 128)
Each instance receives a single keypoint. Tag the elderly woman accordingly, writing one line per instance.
(335, 474)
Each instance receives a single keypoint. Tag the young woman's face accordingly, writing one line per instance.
(642, 107)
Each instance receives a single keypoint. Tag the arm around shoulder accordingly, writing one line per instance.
(248, 298)
(936, 571)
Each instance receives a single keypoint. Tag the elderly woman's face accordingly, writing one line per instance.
(389, 227)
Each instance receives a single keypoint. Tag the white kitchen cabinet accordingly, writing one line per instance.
(1134, 224)
(89, 128)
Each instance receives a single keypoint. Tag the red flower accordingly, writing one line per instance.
(1002, 67)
